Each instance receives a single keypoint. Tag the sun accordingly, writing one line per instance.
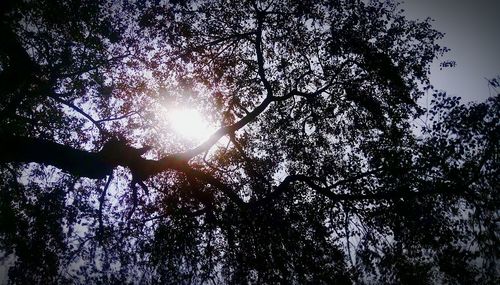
(189, 124)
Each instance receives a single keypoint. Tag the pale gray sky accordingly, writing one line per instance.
(472, 32)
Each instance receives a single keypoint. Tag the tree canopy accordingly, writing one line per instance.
(322, 167)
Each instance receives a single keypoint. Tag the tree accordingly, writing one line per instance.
(324, 177)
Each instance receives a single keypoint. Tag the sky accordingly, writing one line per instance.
(472, 32)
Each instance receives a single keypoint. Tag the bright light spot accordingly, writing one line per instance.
(189, 124)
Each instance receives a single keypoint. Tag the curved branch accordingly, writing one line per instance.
(214, 138)
(250, 116)
(310, 182)
(260, 55)
(79, 111)
(324, 88)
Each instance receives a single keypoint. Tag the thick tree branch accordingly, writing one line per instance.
(98, 165)
(74, 161)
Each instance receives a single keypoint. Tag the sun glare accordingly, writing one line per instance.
(189, 124)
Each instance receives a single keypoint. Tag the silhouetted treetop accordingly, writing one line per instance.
(321, 166)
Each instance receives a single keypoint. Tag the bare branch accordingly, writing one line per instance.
(79, 111)
(129, 114)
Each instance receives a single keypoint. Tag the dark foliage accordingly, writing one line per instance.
(330, 172)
